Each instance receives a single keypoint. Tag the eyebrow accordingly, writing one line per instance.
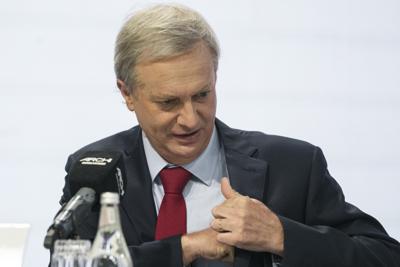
(164, 96)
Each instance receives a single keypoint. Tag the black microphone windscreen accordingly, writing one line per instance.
(104, 171)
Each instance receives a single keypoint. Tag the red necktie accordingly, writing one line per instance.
(172, 215)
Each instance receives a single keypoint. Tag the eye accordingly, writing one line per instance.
(168, 103)
(204, 94)
(201, 96)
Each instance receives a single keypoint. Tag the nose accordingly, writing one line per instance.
(188, 117)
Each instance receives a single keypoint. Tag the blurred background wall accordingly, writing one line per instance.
(323, 71)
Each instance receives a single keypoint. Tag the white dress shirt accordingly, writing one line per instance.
(202, 192)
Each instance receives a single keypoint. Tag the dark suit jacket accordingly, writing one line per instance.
(289, 176)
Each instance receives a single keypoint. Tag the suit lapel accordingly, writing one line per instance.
(138, 203)
(247, 174)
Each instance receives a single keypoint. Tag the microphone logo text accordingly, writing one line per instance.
(95, 161)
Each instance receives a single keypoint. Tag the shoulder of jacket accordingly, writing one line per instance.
(115, 142)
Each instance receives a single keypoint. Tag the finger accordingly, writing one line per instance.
(222, 225)
(223, 211)
(226, 189)
(216, 225)
(226, 238)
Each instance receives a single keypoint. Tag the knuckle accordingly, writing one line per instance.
(218, 225)
(214, 210)
(246, 205)
(241, 214)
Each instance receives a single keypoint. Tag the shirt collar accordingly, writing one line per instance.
(200, 167)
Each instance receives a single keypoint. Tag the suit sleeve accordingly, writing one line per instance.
(166, 252)
(335, 233)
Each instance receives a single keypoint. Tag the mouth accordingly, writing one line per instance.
(187, 137)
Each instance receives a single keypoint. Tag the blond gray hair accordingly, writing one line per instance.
(160, 32)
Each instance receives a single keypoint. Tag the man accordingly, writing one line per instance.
(276, 202)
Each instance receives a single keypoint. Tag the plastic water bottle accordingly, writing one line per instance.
(109, 248)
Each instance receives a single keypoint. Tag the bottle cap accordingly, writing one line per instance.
(109, 198)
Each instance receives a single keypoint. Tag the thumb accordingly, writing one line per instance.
(226, 188)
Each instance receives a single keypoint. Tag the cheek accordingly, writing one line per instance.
(212, 105)
(162, 123)
(150, 117)
(208, 111)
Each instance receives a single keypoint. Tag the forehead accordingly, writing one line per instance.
(190, 71)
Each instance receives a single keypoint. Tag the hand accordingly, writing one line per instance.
(246, 223)
(204, 244)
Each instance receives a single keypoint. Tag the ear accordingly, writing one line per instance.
(126, 94)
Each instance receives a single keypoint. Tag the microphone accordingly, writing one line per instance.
(98, 172)
(104, 171)
(63, 224)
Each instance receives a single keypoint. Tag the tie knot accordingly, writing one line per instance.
(174, 179)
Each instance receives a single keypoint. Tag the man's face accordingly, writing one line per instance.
(176, 103)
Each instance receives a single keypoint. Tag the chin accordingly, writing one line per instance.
(184, 157)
